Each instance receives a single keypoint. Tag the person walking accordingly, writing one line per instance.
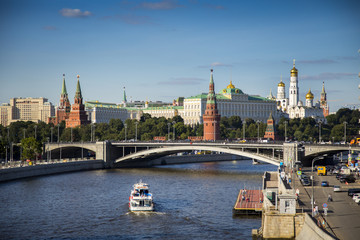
(329, 198)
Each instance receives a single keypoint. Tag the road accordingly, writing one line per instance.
(343, 216)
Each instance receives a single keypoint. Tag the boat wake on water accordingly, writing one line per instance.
(140, 213)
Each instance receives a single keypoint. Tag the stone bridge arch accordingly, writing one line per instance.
(163, 151)
(73, 150)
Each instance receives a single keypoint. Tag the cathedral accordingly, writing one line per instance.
(293, 106)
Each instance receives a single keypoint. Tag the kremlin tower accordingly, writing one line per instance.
(270, 128)
(323, 101)
(77, 115)
(211, 117)
(63, 111)
(294, 88)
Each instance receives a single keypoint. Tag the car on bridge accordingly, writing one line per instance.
(337, 188)
(324, 183)
(305, 181)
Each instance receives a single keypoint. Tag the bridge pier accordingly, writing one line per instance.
(103, 152)
(292, 152)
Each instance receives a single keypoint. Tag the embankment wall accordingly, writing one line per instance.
(47, 169)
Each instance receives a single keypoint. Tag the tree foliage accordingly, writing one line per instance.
(307, 129)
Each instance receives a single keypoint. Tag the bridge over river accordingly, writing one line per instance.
(125, 154)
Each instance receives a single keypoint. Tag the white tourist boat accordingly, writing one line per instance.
(140, 198)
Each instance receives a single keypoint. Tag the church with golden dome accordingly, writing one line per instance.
(293, 106)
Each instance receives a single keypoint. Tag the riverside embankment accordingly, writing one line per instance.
(57, 167)
(9, 174)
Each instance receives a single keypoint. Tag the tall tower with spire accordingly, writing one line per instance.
(63, 110)
(211, 117)
(323, 101)
(294, 88)
(64, 99)
(77, 116)
(124, 99)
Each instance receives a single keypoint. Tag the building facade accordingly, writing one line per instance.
(100, 112)
(231, 101)
(26, 109)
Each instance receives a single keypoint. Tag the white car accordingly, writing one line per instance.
(355, 196)
(337, 189)
(357, 199)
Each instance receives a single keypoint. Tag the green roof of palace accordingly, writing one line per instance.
(221, 96)
(92, 104)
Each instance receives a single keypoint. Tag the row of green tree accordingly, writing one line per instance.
(31, 136)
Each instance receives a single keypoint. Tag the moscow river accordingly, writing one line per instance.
(193, 201)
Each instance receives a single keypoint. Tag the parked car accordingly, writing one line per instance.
(337, 188)
(353, 191)
(348, 179)
(356, 195)
(305, 181)
(339, 175)
(324, 183)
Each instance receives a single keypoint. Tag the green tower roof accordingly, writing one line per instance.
(63, 90)
(78, 89)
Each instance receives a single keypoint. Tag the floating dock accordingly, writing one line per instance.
(249, 202)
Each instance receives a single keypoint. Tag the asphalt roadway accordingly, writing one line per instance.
(343, 214)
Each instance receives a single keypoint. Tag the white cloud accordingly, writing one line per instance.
(74, 13)
(329, 76)
(163, 5)
(183, 81)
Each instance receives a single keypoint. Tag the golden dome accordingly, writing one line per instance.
(281, 84)
(294, 71)
(230, 85)
(309, 95)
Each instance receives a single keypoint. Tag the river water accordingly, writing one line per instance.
(193, 201)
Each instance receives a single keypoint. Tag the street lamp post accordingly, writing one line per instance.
(244, 125)
(286, 123)
(125, 131)
(169, 131)
(173, 130)
(47, 154)
(258, 132)
(320, 131)
(136, 130)
(71, 134)
(51, 129)
(312, 184)
(82, 150)
(345, 131)
(35, 131)
(58, 139)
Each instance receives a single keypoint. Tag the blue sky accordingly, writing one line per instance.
(163, 49)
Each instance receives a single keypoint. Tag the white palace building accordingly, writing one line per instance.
(231, 101)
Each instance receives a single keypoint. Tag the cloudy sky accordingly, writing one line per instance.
(163, 49)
